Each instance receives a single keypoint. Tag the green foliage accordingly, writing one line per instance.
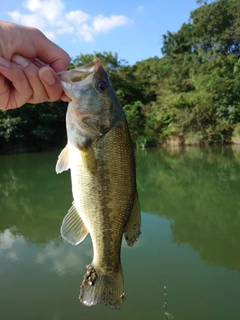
(8, 125)
(203, 81)
(137, 120)
(33, 127)
(109, 60)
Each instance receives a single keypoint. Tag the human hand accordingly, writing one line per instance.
(28, 65)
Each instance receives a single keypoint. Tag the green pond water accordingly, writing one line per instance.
(190, 241)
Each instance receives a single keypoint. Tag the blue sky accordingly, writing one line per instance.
(131, 28)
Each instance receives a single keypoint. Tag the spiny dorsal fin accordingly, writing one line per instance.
(63, 161)
(132, 230)
(73, 229)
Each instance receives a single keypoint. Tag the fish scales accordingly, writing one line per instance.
(100, 156)
(106, 196)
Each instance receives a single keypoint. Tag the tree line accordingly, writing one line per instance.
(191, 95)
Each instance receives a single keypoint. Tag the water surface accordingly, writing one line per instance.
(190, 239)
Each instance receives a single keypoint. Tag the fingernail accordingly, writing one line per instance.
(47, 76)
(19, 60)
(4, 63)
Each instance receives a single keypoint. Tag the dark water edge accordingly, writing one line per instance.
(20, 146)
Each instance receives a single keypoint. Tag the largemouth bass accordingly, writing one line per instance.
(100, 155)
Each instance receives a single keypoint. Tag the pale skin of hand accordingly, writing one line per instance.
(28, 65)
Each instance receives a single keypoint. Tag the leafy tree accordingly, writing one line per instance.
(33, 127)
(203, 56)
(109, 60)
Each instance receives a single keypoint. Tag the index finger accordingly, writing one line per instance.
(50, 53)
(38, 46)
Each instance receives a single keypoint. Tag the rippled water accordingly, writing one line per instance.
(190, 239)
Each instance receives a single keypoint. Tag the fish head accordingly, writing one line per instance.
(92, 111)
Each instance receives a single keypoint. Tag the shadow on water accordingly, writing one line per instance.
(198, 190)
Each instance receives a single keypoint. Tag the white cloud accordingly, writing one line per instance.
(86, 32)
(77, 17)
(52, 19)
(104, 24)
(50, 35)
(15, 15)
(50, 10)
(64, 27)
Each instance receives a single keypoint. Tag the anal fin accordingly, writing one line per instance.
(73, 229)
(132, 229)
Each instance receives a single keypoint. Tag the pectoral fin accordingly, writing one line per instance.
(73, 229)
(63, 161)
(132, 230)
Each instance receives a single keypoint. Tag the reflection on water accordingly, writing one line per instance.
(198, 190)
(58, 258)
(190, 239)
(32, 196)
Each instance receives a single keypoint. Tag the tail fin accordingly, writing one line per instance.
(102, 288)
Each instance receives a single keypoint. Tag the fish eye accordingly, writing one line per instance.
(102, 85)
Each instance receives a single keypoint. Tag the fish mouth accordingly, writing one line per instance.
(80, 73)
(75, 80)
